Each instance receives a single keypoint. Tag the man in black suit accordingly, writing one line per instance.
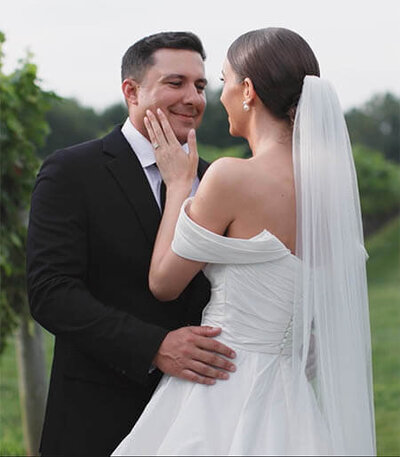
(94, 218)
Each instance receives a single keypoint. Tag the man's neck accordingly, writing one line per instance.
(139, 126)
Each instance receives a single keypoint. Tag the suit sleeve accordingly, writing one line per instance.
(56, 270)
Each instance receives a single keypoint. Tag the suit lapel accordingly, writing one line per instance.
(128, 172)
(203, 165)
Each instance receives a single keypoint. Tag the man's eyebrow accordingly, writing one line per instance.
(173, 76)
(179, 76)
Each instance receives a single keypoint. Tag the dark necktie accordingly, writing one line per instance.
(163, 195)
(163, 192)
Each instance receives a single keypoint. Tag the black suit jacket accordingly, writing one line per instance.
(92, 227)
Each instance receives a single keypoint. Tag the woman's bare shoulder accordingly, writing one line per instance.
(228, 163)
(225, 171)
(214, 205)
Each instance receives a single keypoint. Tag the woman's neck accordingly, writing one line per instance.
(267, 133)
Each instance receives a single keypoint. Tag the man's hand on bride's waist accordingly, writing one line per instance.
(193, 354)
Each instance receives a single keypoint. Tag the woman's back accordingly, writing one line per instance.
(266, 199)
(249, 196)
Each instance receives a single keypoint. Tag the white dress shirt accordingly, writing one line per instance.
(145, 153)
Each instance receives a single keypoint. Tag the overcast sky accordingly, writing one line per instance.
(78, 44)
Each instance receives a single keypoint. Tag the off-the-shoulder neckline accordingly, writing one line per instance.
(253, 238)
(259, 235)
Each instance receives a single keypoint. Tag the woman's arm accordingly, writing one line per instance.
(212, 206)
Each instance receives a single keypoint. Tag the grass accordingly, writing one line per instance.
(11, 439)
(11, 436)
(384, 294)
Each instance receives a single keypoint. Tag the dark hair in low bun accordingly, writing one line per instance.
(276, 60)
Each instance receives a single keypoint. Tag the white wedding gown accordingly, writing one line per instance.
(251, 413)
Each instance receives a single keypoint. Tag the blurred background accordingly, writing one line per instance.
(60, 85)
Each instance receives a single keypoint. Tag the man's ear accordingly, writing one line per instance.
(130, 89)
(249, 93)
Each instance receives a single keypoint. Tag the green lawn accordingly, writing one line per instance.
(384, 293)
(384, 296)
(10, 416)
(11, 438)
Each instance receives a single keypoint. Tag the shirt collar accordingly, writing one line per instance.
(140, 144)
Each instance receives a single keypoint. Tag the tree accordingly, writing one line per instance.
(379, 185)
(113, 115)
(23, 129)
(376, 125)
(70, 123)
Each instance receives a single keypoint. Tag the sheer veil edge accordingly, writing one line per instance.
(331, 302)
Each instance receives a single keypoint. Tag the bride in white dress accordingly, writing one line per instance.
(281, 285)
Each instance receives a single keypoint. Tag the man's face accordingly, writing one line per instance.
(175, 83)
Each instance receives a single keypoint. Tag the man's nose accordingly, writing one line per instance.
(192, 95)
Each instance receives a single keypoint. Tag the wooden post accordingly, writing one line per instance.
(32, 380)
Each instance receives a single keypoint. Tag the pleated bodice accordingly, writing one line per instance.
(252, 285)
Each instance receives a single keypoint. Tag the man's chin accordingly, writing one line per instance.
(182, 130)
(182, 134)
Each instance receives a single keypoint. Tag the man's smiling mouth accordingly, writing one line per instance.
(185, 115)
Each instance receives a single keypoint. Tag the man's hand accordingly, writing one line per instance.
(191, 353)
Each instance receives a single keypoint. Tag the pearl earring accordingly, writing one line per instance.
(246, 107)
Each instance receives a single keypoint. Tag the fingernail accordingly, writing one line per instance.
(232, 368)
(159, 111)
(233, 354)
(224, 375)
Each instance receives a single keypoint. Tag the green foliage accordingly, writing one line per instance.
(383, 269)
(376, 125)
(211, 153)
(22, 129)
(113, 115)
(11, 435)
(71, 123)
(379, 185)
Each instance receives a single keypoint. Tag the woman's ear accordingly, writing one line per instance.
(130, 89)
(248, 90)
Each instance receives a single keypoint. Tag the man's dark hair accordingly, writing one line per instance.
(276, 60)
(139, 56)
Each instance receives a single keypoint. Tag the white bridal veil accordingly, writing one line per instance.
(331, 301)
